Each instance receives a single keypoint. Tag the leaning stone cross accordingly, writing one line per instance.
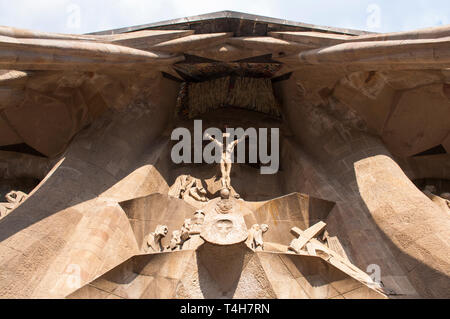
(305, 236)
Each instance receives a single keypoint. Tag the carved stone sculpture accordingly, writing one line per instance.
(197, 191)
(224, 223)
(175, 241)
(14, 199)
(305, 236)
(182, 183)
(225, 205)
(224, 229)
(199, 219)
(225, 160)
(154, 238)
(255, 236)
(186, 185)
(186, 230)
(345, 115)
(338, 261)
(307, 244)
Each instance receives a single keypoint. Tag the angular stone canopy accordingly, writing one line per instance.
(86, 168)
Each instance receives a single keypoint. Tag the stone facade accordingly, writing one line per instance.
(96, 208)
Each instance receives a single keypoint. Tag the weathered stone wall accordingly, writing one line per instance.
(380, 214)
(73, 217)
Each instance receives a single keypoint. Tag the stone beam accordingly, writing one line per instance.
(29, 34)
(428, 33)
(226, 52)
(192, 42)
(311, 38)
(269, 44)
(43, 54)
(144, 40)
(423, 52)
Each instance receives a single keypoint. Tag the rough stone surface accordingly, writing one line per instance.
(85, 133)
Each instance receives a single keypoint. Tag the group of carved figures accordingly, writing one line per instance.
(13, 199)
(305, 243)
(179, 237)
(186, 185)
(192, 227)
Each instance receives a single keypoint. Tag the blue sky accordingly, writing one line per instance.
(82, 16)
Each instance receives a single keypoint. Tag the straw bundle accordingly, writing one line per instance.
(251, 93)
(208, 95)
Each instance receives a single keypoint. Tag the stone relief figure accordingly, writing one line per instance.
(225, 160)
(186, 230)
(307, 244)
(14, 199)
(224, 206)
(175, 241)
(255, 237)
(186, 185)
(154, 238)
(190, 227)
(186, 182)
(303, 237)
(182, 183)
(199, 219)
(197, 191)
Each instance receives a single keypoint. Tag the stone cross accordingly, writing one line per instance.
(305, 236)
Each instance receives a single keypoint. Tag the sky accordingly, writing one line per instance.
(84, 16)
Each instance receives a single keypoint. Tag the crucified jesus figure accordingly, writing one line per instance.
(225, 160)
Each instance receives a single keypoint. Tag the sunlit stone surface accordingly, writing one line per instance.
(96, 208)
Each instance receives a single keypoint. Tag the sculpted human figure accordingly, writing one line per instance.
(255, 236)
(226, 160)
(154, 238)
(13, 198)
(179, 187)
(197, 191)
(199, 219)
(258, 239)
(186, 229)
(186, 183)
(175, 241)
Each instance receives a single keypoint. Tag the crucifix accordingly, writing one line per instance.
(225, 159)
